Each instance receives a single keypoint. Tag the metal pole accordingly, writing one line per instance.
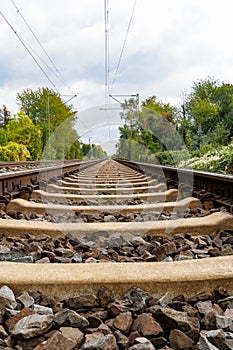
(106, 21)
(48, 153)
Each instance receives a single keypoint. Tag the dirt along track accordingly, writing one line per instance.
(111, 226)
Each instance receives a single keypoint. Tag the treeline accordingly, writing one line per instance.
(44, 128)
(160, 132)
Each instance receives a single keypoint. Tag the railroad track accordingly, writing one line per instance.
(117, 225)
(113, 198)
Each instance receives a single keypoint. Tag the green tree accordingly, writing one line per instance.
(22, 130)
(158, 118)
(93, 151)
(165, 110)
(148, 130)
(46, 109)
(56, 121)
(200, 105)
(206, 116)
(130, 112)
(219, 136)
(98, 152)
(39, 103)
(86, 148)
(75, 151)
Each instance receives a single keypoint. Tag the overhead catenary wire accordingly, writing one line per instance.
(25, 46)
(57, 72)
(43, 61)
(123, 46)
(38, 56)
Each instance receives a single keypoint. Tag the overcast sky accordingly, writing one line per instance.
(171, 44)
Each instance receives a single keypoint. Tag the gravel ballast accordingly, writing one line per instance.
(135, 321)
(101, 246)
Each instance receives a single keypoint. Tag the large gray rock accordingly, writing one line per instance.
(26, 299)
(32, 326)
(7, 299)
(173, 319)
(42, 310)
(223, 321)
(70, 318)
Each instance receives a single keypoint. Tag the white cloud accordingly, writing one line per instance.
(170, 45)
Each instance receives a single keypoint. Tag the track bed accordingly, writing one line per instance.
(109, 228)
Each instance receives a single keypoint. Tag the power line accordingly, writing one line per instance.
(41, 59)
(25, 46)
(124, 43)
(36, 54)
(58, 74)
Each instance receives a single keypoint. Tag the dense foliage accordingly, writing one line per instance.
(194, 135)
(149, 134)
(42, 129)
(23, 131)
(14, 152)
(215, 160)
